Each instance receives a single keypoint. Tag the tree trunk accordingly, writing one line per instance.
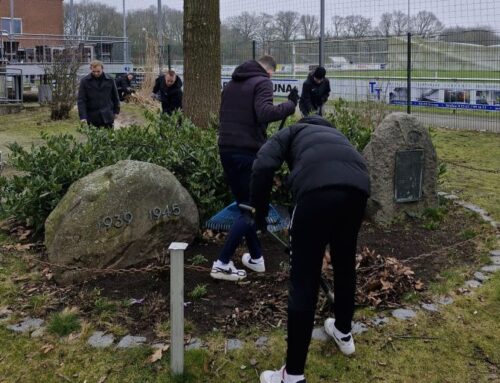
(202, 69)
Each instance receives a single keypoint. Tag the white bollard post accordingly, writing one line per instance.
(177, 306)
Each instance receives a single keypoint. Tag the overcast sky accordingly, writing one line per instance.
(451, 12)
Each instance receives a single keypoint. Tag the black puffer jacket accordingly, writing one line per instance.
(170, 96)
(313, 95)
(318, 156)
(247, 107)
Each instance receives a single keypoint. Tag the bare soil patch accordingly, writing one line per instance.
(260, 300)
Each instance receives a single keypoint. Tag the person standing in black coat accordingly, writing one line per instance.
(168, 87)
(246, 109)
(330, 186)
(315, 92)
(98, 101)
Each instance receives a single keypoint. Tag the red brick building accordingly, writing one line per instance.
(32, 18)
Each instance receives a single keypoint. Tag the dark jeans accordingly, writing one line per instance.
(238, 170)
(322, 217)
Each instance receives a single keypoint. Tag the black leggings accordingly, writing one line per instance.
(327, 216)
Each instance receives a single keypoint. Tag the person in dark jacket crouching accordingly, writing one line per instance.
(330, 185)
(315, 92)
(125, 86)
(246, 109)
(168, 87)
(98, 102)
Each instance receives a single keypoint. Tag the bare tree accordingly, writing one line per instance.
(309, 26)
(202, 63)
(93, 19)
(385, 24)
(399, 23)
(339, 25)
(266, 29)
(173, 27)
(245, 25)
(358, 26)
(287, 25)
(62, 77)
(141, 23)
(425, 23)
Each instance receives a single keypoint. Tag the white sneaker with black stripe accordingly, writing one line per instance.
(256, 265)
(227, 271)
(344, 341)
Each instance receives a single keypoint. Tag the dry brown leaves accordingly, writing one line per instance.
(268, 311)
(382, 281)
(157, 354)
(214, 236)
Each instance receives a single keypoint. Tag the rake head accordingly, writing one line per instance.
(223, 220)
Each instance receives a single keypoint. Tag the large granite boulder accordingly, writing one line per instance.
(403, 169)
(118, 216)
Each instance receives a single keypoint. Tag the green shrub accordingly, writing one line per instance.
(356, 121)
(170, 141)
(190, 153)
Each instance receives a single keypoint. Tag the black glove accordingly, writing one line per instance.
(253, 217)
(293, 96)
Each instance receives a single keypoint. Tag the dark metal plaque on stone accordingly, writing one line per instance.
(408, 175)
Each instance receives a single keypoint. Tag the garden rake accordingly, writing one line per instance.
(224, 219)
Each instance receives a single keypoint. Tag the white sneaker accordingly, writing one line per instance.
(276, 376)
(227, 271)
(256, 265)
(273, 376)
(344, 341)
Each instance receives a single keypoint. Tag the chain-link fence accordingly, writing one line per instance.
(438, 60)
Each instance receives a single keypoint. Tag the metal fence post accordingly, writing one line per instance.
(160, 37)
(254, 49)
(408, 76)
(322, 34)
(177, 306)
(169, 58)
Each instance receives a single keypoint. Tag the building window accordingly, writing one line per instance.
(18, 25)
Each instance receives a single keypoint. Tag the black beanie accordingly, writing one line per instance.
(319, 72)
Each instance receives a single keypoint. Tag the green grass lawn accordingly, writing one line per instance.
(25, 127)
(459, 344)
(473, 166)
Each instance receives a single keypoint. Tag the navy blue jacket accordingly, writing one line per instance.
(247, 107)
(318, 156)
(98, 100)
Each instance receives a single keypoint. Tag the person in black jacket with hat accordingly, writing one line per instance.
(330, 186)
(168, 87)
(315, 92)
(98, 101)
(246, 109)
